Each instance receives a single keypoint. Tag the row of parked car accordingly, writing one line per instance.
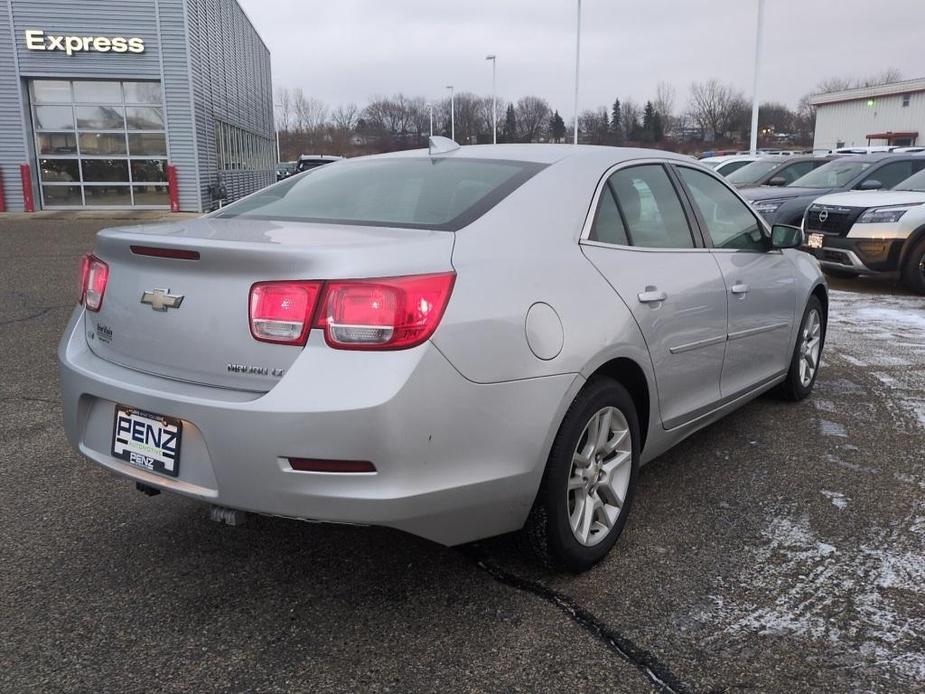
(862, 213)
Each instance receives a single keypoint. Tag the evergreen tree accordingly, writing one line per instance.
(616, 125)
(557, 127)
(648, 123)
(658, 127)
(510, 124)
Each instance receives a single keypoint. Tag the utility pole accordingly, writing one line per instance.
(452, 113)
(577, 64)
(753, 146)
(494, 107)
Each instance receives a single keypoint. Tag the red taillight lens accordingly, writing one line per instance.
(388, 313)
(94, 274)
(282, 312)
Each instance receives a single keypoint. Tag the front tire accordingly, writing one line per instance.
(589, 481)
(804, 364)
(913, 271)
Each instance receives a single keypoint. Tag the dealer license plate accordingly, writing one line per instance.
(150, 441)
(814, 240)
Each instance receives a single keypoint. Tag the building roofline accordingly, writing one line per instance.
(891, 89)
(251, 22)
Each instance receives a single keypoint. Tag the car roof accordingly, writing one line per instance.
(324, 157)
(722, 159)
(544, 153)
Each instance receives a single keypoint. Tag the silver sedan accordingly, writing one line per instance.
(453, 342)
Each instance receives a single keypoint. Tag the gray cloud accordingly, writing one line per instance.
(350, 50)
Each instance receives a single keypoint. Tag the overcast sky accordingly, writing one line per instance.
(350, 50)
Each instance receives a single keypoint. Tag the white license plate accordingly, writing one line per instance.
(150, 441)
(814, 240)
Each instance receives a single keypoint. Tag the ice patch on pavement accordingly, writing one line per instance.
(838, 499)
(856, 597)
(832, 429)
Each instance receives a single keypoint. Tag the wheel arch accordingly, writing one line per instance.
(631, 376)
(910, 243)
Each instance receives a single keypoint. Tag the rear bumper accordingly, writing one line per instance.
(456, 461)
(862, 255)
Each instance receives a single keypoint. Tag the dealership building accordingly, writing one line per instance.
(888, 114)
(146, 103)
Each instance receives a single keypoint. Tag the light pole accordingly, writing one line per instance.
(753, 146)
(430, 107)
(452, 113)
(494, 108)
(577, 62)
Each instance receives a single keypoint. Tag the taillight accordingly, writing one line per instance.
(387, 313)
(282, 312)
(94, 274)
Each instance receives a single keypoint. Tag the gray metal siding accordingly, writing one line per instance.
(12, 135)
(232, 83)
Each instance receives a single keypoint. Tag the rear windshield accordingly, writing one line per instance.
(835, 174)
(438, 193)
(752, 173)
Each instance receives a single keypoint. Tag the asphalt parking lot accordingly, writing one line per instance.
(779, 550)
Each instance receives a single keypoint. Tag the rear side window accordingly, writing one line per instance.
(608, 224)
(443, 194)
(650, 209)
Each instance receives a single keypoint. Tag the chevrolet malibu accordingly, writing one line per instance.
(455, 342)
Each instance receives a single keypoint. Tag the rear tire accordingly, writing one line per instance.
(840, 274)
(590, 479)
(807, 353)
(913, 271)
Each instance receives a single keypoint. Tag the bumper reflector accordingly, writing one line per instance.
(311, 465)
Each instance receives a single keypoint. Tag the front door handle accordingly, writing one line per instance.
(652, 295)
(739, 288)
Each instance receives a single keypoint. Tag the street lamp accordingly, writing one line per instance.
(753, 147)
(577, 61)
(452, 113)
(276, 124)
(494, 108)
(430, 107)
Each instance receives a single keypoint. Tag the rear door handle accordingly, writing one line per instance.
(652, 295)
(739, 288)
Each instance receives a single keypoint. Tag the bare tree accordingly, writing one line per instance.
(310, 113)
(532, 114)
(715, 107)
(629, 116)
(283, 109)
(344, 117)
(840, 84)
(664, 106)
(594, 126)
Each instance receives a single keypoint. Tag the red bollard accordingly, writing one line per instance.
(172, 190)
(25, 173)
(2, 196)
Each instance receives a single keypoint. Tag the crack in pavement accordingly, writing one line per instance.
(34, 315)
(659, 674)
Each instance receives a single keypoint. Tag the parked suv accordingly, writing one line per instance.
(310, 161)
(781, 170)
(862, 172)
(871, 232)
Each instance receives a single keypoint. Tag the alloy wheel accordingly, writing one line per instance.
(599, 476)
(810, 345)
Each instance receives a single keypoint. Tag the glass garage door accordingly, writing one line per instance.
(100, 144)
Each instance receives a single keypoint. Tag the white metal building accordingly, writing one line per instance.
(889, 114)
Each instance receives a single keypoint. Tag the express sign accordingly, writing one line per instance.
(38, 40)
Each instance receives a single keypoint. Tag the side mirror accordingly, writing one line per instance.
(778, 181)
(786, 236)
(871, 184)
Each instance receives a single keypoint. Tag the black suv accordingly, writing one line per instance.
(786, 205)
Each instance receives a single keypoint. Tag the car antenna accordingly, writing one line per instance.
(440, 145)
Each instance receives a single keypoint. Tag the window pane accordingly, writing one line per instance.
(142, 92)
(105, 170)
(51, 91)
(92, 92)
(54, 118)
(61, 195)
(422, 192)
(608, 227)
(650, 206)
(59, 170)
(892, 173)
(147, 144)
(792, 173)
(729, 221)
(144, 118)
(100, 117)
(102, 143)
(107, 195)
(151, 195)
(57, 143)
(149, 170)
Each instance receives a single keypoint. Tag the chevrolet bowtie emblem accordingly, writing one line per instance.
(161, 299)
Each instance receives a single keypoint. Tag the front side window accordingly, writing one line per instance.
(728, 220)
(443, 194)
(835, 174)
(753, 172)
(650, 209)
(794, 171)
(894, 173)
